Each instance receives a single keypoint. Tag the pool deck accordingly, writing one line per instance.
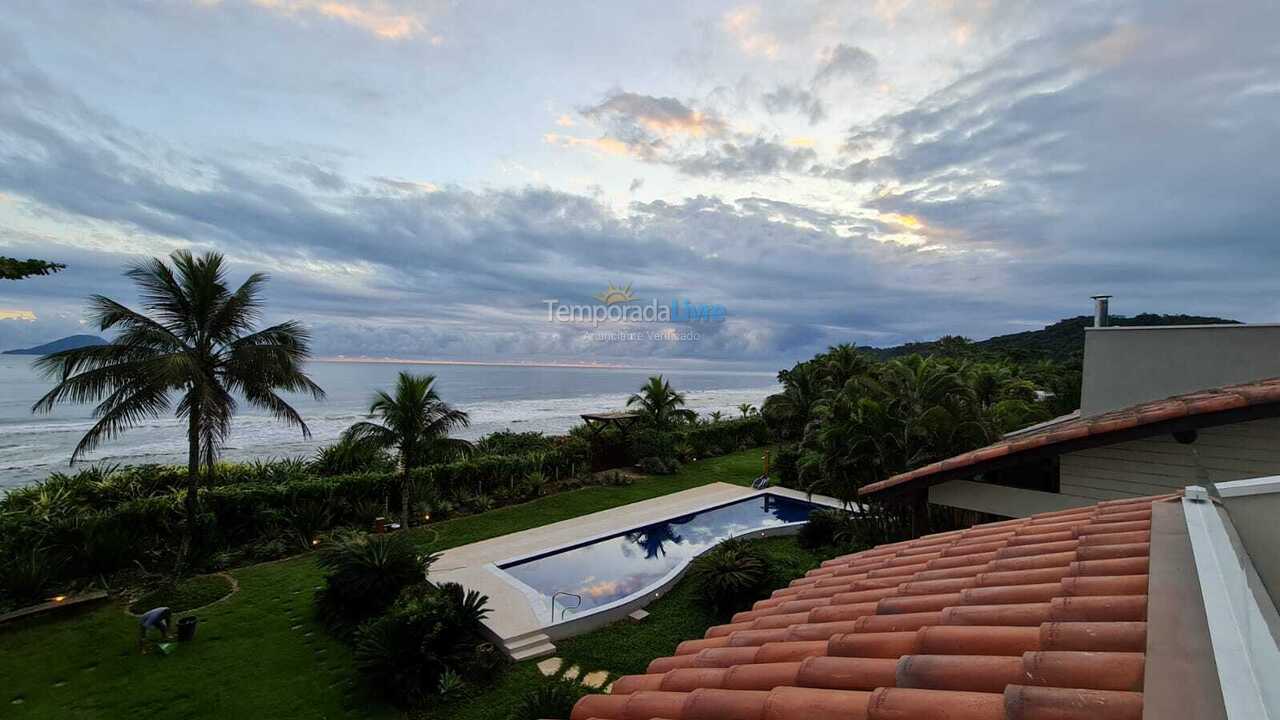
(512, 617)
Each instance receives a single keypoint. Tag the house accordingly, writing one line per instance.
(1140, 608)
(1161, 408)
(1135, 581)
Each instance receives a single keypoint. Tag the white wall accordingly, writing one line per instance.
(1160, 464)
(1125, 366)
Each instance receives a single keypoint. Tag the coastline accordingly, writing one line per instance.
(342, 359)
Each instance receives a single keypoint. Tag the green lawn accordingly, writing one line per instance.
(624, 648)
(260, 652)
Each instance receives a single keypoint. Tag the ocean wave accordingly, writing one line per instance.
(33, 448)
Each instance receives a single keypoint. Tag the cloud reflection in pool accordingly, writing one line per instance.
(614, 567)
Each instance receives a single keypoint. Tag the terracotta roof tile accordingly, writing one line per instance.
(1044, 620)
(1198, 407)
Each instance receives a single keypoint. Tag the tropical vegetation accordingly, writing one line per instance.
(429, 639)
(198, 341)
(660, 406)
(848, 419)
(415, 423)
(15, 269)
(731, 576)
(263, 650)
(364, 574)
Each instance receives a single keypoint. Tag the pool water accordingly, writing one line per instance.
(611, 568)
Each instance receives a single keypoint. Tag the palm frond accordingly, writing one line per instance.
(240, 311)
(124, 413)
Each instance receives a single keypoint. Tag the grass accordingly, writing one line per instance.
(625, 648)
(737, 468)
(261, 652)
(194, 592)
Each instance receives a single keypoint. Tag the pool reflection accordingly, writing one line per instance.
(614, 567)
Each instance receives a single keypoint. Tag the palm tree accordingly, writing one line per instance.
(790, 410)
(841, 363)
(716, 416)
(198, 341)
(660, 405)
(415, 423)
(747, 410)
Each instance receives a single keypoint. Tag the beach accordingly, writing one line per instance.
(544, 398)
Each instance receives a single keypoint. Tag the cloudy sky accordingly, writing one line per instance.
(418, 177)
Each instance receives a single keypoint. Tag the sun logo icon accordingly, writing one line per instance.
(614, 295)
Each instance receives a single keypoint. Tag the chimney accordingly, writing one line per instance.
(1101, 314)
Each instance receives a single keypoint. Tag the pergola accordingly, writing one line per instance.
(598, 422)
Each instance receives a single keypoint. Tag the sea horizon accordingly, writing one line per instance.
(545, 397)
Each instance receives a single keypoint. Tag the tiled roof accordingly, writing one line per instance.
(1041, 618)
(1198, 408)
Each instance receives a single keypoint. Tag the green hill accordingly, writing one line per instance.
(66, 343)
(1062, 341)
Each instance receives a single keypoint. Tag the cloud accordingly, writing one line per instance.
(845, 61)
(632, 113)
(757, 156)
(743, 25)
(792, 98)
(696, 142)
(377, 17)
(1052, 160)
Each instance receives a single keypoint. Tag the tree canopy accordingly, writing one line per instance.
(15, 269)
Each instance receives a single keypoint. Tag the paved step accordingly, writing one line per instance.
(530, 652)
(529, 645)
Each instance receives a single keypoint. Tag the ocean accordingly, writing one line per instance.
(543, 399)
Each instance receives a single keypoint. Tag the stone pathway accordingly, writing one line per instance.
(551, 667)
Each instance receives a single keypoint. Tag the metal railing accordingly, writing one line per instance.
(564, 608)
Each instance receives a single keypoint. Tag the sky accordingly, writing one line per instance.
(419, 178)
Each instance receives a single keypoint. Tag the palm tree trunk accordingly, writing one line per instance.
(405, 492)
(193, 464)
(404, 500)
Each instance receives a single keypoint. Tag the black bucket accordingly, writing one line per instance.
(187, 629)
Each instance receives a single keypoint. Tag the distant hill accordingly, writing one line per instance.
(66, 343)
(1063, 340)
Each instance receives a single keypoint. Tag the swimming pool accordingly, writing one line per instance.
(606, 570)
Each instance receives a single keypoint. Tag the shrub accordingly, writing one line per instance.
(26, 575)
(712, 439)
(653, 466)
(786, 465)
(506, 442)
(346, 457)
(730, 576)
(826, 528)
(365, 574)
(551, 699)
(428, 632)
(651, 442)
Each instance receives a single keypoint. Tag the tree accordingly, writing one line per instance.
(747, 410)
(789, 411)
(416, 424)
(716, 416)
(198, 341)
(840, 364)
(15, 269)
(660, 405)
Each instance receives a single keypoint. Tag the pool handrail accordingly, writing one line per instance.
(565, 608)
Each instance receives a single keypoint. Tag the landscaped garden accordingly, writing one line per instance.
(263, 652)
(624, 648)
